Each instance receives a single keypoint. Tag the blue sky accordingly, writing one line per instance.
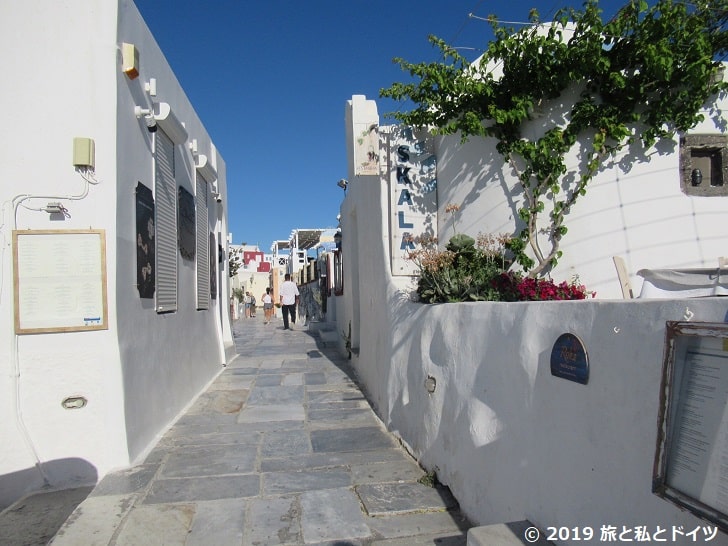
(270, 79)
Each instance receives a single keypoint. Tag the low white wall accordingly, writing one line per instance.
(511, 440)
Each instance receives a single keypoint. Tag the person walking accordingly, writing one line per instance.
(289, 299)
(267, 306)
(252, 306)
(246, 300)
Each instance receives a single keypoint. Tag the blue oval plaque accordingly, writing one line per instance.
(569, 359)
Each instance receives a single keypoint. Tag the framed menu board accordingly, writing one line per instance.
(59, 280)
(692, 444)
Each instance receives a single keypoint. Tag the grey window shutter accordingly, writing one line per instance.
(166, 224)
(203, 238)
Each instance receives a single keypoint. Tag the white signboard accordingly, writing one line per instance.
(700, 444)
(412, 195)
(692, 454)
(60, 280)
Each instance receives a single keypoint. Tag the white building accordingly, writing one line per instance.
(114, 293)
(470, 388)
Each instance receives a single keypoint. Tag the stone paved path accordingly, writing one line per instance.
(283, 448)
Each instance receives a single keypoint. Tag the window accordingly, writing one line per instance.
(165, 191)
(338, 274)
(704, 165)
(202, 255)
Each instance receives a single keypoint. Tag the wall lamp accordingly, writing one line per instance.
(337, 240)
(696, 177)
(343, 184)
(164, 118)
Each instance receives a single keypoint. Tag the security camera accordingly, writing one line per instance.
(217, 197)
(151, 123)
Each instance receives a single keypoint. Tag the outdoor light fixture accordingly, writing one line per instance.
(337, 240)
(164, 118)
(205, 168)
(430, 384)
(343, 184)
(170, 124)
(696, 177)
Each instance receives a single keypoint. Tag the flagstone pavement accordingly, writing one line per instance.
(282, 448)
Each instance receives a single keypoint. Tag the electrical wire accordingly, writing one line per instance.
(89, 178)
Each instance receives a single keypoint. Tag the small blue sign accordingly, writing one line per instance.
(569, 359)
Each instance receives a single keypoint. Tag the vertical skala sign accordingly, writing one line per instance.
(412, 194)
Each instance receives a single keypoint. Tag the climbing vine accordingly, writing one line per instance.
(641, 76)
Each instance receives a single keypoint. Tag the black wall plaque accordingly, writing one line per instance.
(569, 359)
(186, 221)
(145, 241)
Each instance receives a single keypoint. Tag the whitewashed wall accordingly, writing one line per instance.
(633, 208)
(161, 363)
(63, 79)
(512, 441)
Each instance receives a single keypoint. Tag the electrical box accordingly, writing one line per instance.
(130, 60)
(84, 152)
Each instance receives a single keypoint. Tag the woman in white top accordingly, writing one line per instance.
(267, 306)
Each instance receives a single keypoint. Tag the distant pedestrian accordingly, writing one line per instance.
(289, 299)
(246, 301)
(267, 306)
(252, 306)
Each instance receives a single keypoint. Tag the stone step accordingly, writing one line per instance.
(317, 326)
(516, 533)
(328, 336)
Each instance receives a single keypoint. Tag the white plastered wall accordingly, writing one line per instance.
(58, 83)
(166, 358)
(63, 79)
(633, 208)
(511, 440)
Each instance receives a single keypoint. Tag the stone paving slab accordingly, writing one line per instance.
(429, 524)
(277, 483)
(206, 488)
(124, 482)
(274, 520)
(272, 412)
(217, 522)
(95, 521)
(439, 539)
(381, 499)
(157, 525)
(288, 443)
(332, 514)
(350, 439)
(240, 437)
(386, 472)
(210, 460)
(280, 396)
(282, 448)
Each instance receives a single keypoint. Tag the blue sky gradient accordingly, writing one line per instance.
(270, 79)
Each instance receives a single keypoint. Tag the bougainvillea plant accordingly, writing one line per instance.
(642, 76)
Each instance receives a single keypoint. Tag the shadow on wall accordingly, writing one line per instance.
(60, 473)
(426, 352)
